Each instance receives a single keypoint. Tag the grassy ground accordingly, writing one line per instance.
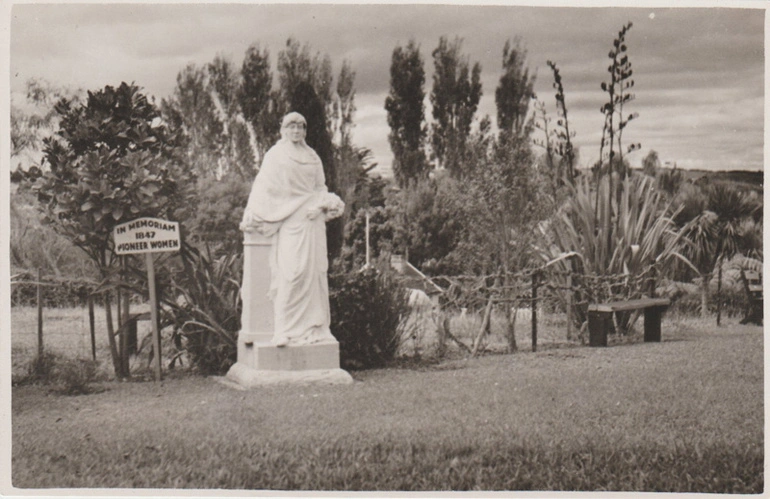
(682, 415)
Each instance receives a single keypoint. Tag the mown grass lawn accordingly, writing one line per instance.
(682, 415)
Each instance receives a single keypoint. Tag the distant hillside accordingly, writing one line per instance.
(746, 179)
(738, 176)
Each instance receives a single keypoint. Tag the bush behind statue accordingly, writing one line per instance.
(366, 311)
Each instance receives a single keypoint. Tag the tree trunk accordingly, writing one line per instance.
(116, 363)
(719, 292)
(704, 296)
(509, 318)
(484, 325)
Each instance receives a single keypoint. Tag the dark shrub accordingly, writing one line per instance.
(74, 376)
(41, 368)
(366, 310)
(67, 376)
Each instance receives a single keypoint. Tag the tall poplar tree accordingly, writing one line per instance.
(514, 92)
(455, 98)
(406, 114)
(305, 101)
(191, 110)
(296, 65)
(258, 99)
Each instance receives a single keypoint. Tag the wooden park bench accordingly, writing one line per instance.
(600, 318)
(752, 284)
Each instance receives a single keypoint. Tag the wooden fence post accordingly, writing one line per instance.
(569, 305)
(92, 325)
(534, 311)
(652, 282)
(39, 313)
(443, 329)
(123, 316)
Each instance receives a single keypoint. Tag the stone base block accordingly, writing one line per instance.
(266, 357)
(260, 363)
(243, 377)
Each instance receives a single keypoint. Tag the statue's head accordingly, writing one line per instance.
(294, 127)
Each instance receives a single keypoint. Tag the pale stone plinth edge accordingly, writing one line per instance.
(243, 377)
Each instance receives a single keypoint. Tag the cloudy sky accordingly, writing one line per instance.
(699, 72)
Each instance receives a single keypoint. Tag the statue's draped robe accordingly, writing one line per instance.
(287, 185)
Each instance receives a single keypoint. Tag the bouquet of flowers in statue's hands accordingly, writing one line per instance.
(327, 204)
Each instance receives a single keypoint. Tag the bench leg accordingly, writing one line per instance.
(652, 317)
(598, 325)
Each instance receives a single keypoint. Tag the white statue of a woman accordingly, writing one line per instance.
(290, 203)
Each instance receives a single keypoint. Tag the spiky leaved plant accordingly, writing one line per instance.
(609, 268)
(205, 307)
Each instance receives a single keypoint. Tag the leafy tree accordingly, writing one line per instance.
(191, 110)
(381, 234)
(406, 114)
(687, 200)
(506, 200)
(455, 98)
(34, 245)
(220, 204)
(259, 102)
(112, 160)
(670, 181)
(206, 107)
(35, 119)
(352, 162)
(238, 142)
(296, 65)
(514, 91)
(727, 209)
(343, 106)
(429, 223)
(651, 163)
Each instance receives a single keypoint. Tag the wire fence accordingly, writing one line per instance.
(62, 317)
(542, 294)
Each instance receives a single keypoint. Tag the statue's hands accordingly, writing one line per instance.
(253, 224)
(313, 213)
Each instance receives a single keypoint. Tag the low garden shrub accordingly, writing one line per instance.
(65, 375)
(41, 368)
(75, 376)
(366, 311)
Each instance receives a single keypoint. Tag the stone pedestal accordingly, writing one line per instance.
(259, 362)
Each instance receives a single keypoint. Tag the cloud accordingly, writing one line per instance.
(701, 66)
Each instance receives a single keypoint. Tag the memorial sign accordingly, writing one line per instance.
(148, 235)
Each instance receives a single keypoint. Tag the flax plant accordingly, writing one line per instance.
(645, 239)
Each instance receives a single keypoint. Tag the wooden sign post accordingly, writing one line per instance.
(148, 235)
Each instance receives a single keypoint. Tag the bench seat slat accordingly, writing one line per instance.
(619, 306)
